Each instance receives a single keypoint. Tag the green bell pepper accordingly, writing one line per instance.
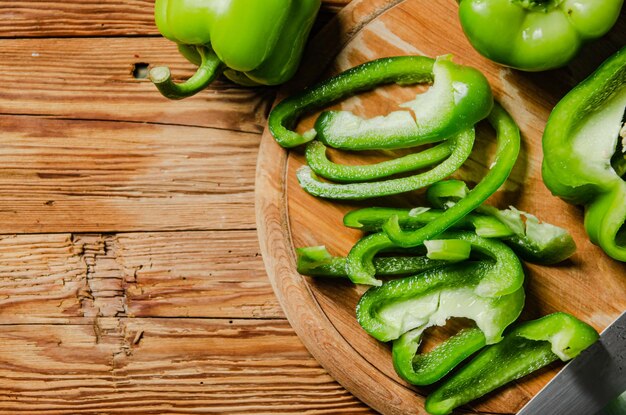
(359, 260)
(462, 145)
(316, 261)
(261, 43)
(583, 153)
(486, 291)
(320, 164)
(528, 347)
(535, 35)
(459, 98)
(534, 241)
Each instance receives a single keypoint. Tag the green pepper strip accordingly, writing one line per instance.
(463, 143)
(210, 67)
(508, 148)
(534, 241)
(403, 70)
(317, 261)
(318, 161)
(528, 347)
(372, 219)
(401, 305)
(359, 260)
(402, 309)
(428, 368)
(459, 97)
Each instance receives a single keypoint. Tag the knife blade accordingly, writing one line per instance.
(590, 381)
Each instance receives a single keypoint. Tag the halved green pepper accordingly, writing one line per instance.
(583, 153)
(260, 43)
(460, 97)
(535, 35)
(528, 347)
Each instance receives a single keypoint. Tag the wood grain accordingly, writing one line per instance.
(92, 79)
(43, 18)
(177, 317)
(57, 278)
(164, 366)
(101, 176)
(322, 312)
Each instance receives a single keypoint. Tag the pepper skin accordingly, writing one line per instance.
(583, 153)
(260, 43)
(535, 35)
(458, 99)
(489, 292)
(462, 143)
(528, 347)
(318, 262)
(359, 260)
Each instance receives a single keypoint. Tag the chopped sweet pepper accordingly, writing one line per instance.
(534, 241)
(528, 347)
(487, 291)
(535, 35)
(458, 99)
(257, 43)
(583, 148)
(359, 260)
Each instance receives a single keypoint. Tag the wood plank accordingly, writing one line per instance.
(164, 366)
(93, 79)
(58, 278)
(43, 18)
(67, 176)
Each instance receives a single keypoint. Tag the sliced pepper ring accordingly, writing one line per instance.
(459, 97)
(403, 70)
(463, 143)
(318, 162)
(402, 309)
(359, 260)
(528, 347)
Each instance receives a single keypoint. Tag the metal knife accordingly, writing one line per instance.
(590, 381)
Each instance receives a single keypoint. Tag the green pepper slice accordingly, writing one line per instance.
(359, 260)
(463, 99)
(316, 261)
(528, 347)
(459, 97)
(319, 163)
(580, 144)
(462, 142)
(402, 309)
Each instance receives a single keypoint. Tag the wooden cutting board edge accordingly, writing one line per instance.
(302, 309)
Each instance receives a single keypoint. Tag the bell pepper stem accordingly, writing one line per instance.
(210, 67)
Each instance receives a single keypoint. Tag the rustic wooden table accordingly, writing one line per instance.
(130, 274)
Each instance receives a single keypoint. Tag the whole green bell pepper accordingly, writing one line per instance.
(258, 43)
(528, 347)
(535, 35)
(583, 153)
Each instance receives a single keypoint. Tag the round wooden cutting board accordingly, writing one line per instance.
(589, 285)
